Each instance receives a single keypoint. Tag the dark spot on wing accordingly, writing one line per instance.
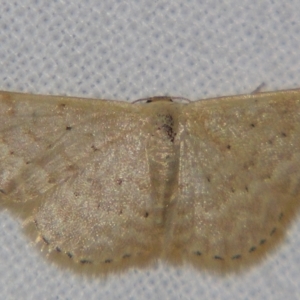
(51, 180)
(218, 257)
(94, 148)
(252, 249)
(68, 127)
(71, 168)
(85, 261)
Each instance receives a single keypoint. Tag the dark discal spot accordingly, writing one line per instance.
(28, 162)
(232, 190)
(49, 146)
(119, 181)
(58, 249)
(270, 142)
(237, 256)
(85, 261)
(273, 231)
(218, 257)
(280, 216)
(146, 214)
(246, 189)
(283, 134)
(228, 147)
(51, 180)
(71, 168)
(262, 241)
(126, 256)
(107, 261)
(62, 105)
(45, 240)
(252, 249)
(68, 127)
(2, 191)
(252, 125)
(120, 212)
(76, 194)
(208, 179)
(198, 253)
(94, 148)
(69, 254)
(11, 152)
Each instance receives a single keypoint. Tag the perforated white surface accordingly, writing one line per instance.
(134, 49)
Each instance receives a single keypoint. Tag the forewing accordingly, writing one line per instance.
(239, 177)
(83, 165)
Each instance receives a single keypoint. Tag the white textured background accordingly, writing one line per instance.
(133, 49)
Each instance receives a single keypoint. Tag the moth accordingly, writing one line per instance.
(108, 185)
